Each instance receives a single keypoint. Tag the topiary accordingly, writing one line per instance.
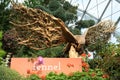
(54, 5)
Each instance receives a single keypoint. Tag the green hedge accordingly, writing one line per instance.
(91, 75)
(9, 74)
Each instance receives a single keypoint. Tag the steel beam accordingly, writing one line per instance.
(104, 10)
(88, 14)
(85, 9)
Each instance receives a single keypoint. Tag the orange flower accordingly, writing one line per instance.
(93, 74)
(32, 60)
(33, 72)
(55, 72)
(72, 65)
(39, 72)
(87, 65)
(28, 71)
(105, 76)
(43, 77)
(84, 64)
(70, 74)
(83, 55)
(68, 65)
(82, 61)
(86, 69)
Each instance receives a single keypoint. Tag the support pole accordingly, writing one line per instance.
(104, 11)
(85, 10)
(117, 21)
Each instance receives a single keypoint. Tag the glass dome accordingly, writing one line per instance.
(99, 10)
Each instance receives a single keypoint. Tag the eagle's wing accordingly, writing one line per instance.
(37, 29)
(99, 33)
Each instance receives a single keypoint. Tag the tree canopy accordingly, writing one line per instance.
(59, 8)
(4, 15)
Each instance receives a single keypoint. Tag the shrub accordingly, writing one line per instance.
(53, 76)
(107, 58)
(2, 52)
(9, 41)
(33, 77)
(8, 74)
(96, 74)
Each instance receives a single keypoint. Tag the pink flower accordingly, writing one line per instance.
(40, 60)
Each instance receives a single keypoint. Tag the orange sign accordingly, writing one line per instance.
(26, 66)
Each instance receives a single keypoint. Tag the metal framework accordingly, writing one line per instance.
(118, 1)
(104, 10)
(85, 9)
(102, 14)
(88, 14)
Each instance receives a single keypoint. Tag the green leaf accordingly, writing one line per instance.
(2, 53)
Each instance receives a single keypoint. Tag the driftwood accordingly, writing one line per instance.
(39, 30)
(100, 32)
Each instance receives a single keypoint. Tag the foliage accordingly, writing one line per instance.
(4, 15)
(9, 41)
(107, 58)
(75, 31)
(24, 51)
(53, 76)
(60, 13)
(51, 52)
(67, 12)
(54, 5)
(91, 75)
(8, 74)
(110, 65)
(33, 77)
(2, 52)
(117, 36)
(10, 45)
(84, 23)
(96, 74)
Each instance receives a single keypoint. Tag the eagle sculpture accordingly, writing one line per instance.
(39, 30)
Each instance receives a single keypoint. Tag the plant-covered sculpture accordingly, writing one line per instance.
(39, 30)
